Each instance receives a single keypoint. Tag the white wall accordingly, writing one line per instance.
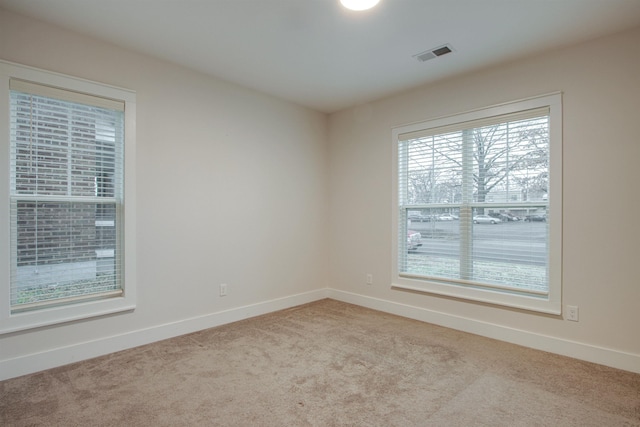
(600, 81)
(231, 188)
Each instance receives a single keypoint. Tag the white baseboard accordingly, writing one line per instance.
(48, 359)
(603, 356)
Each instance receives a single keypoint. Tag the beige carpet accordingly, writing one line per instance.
(325, 364)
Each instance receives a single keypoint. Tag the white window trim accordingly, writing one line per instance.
(550, 303)
(127, 301)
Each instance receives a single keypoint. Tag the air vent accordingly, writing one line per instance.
(433, 53)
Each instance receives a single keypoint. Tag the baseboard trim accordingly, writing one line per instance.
(31, 363)
(577, 350)
(48, 359)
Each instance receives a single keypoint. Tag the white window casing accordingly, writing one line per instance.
(68, 221)
(484, 190)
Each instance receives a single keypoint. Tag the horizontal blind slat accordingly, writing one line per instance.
(488, 121)
(64, 94)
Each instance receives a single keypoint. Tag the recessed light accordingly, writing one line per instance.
(359, 4)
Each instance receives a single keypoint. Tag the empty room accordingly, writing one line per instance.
(319, 212)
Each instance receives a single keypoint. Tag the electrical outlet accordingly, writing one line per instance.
(369, 279)
(572, 313)
(223, 290)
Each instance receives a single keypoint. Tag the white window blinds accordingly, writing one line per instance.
(66, 196)
(474, 205)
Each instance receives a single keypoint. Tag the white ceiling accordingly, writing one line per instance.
(316, 53)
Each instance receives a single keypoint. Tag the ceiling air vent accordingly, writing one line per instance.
(433, 53)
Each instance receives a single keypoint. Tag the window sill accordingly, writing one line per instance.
(539, 304)
(64, 314)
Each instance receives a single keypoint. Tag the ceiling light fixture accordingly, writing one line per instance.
(359, 4)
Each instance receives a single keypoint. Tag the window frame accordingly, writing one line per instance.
(549, 303)
(49, 315)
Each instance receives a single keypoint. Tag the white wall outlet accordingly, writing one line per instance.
(572, 313)
(369, 279)
(223, 290)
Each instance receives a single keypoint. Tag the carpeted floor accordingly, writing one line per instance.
(325, 364)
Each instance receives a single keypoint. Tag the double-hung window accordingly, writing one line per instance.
(66, 198)
(478, 205)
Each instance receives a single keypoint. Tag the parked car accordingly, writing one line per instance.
(417, 217)
(445, 217)
(485, 219)
(535, 218)
(505, 217)
(414, 239)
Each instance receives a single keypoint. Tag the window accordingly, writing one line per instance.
(478, 205)
(67, 141)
